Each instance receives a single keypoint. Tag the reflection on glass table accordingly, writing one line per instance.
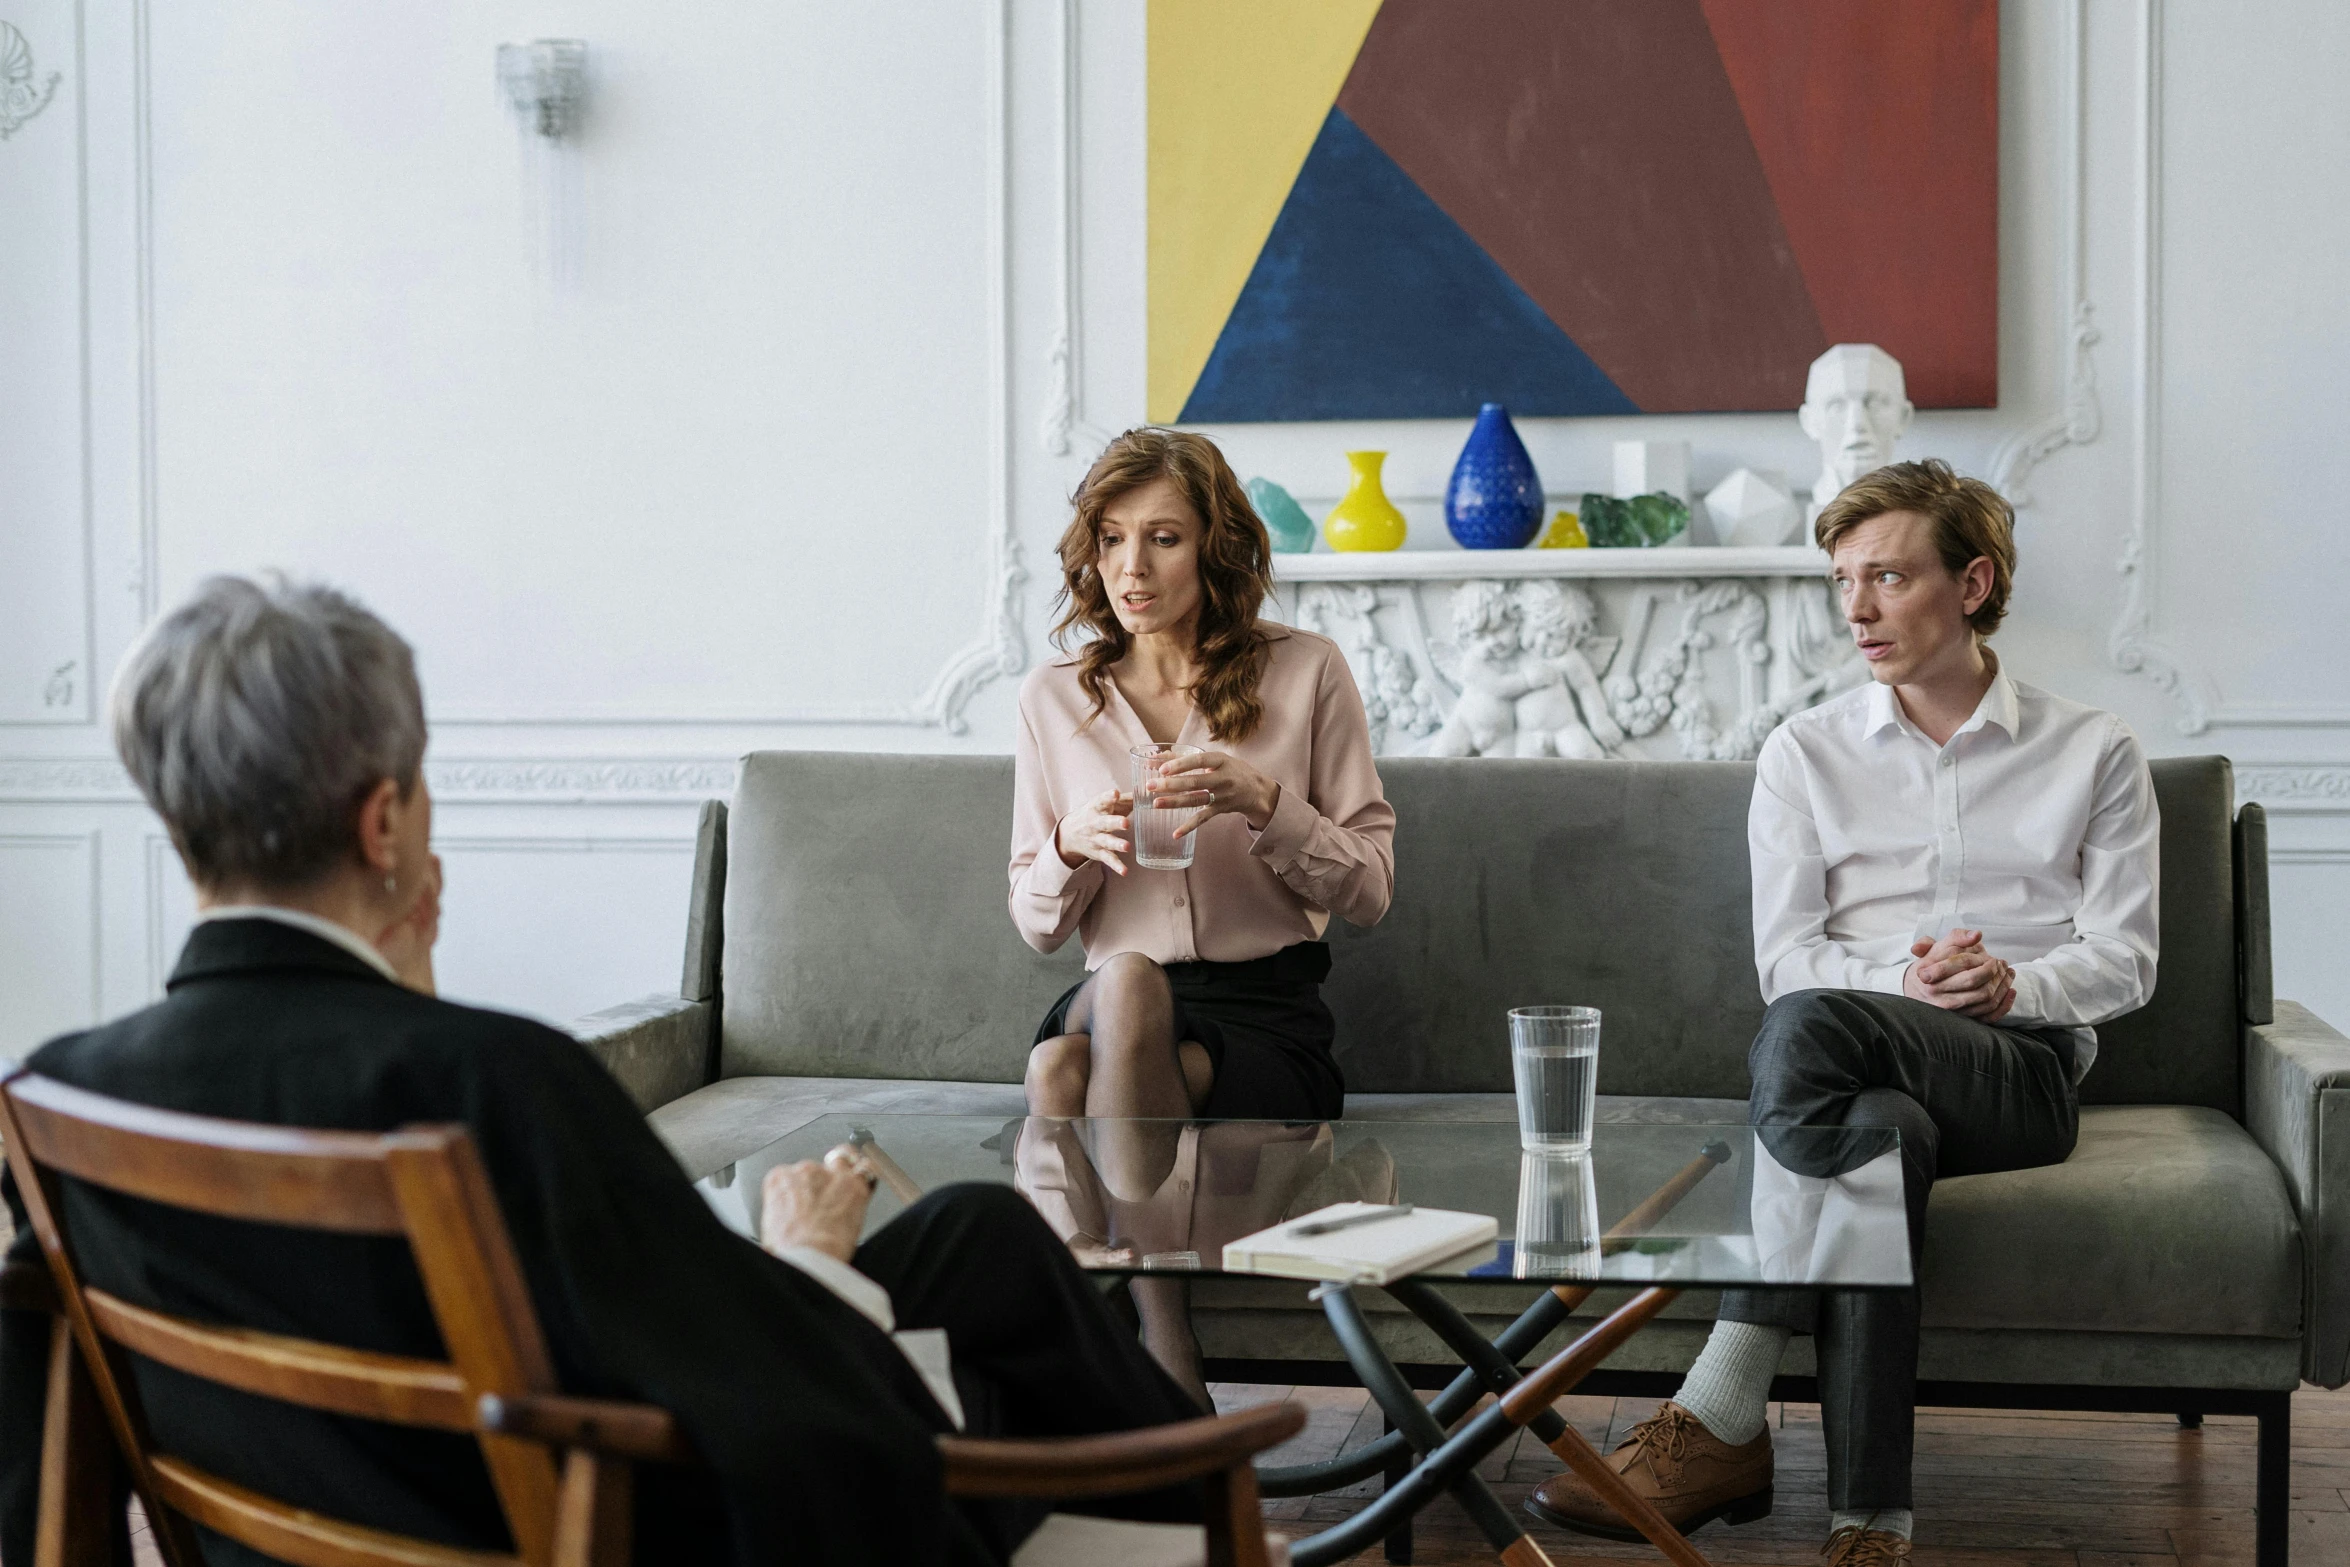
(1815, 1206)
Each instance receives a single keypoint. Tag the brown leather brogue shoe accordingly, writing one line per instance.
(1683, 1470)
(1853, 1546)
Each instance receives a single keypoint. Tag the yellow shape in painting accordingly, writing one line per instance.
(1238, 91)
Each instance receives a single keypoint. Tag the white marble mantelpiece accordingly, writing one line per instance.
(1673, 561)
(1681, 652)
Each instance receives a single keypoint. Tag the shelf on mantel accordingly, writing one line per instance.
(1779, 560)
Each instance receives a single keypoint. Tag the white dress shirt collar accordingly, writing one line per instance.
(1998, 707)
(324, 929)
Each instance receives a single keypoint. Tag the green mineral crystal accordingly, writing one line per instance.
(1640, 522)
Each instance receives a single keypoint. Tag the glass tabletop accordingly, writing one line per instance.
(1687, 1205)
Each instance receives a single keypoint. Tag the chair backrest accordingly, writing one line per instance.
(866, 935)
(424, 1183)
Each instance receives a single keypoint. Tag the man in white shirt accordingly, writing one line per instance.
(1955, 878)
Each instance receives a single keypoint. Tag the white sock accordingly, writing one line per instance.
(1893, 1520)
(1729, 1389)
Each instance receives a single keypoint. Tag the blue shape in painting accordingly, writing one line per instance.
(1494, 501)
(1369, 302)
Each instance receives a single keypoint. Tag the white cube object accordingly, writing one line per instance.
(1753, 508)
(1653, 467)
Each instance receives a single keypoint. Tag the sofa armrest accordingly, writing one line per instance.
(657, 1046)
(2297, 1105)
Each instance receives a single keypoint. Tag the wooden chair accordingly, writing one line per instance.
(562, 1467)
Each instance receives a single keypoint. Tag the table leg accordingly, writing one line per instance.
(1399, 1538)
(1411, 1417)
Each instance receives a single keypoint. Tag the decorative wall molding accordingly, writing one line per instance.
(2080, 420)
(584, 781)
(43, 781)
(2310, 787)
(2280, 715)
(22, 95)
(145, 583)
(69, 690)
(92, 852)
(2132, 644)
(1063, 425)
(522, 780)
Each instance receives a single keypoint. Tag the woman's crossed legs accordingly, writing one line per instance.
(1120, 1060)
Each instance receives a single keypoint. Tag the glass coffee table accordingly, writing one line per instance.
(1657, 1208)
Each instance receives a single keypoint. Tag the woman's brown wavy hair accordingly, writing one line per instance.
(1235, 569)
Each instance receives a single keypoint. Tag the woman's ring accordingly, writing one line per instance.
(1211, 797)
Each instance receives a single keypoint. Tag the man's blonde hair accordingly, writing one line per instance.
(1971, 522)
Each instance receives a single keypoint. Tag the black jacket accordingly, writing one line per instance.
(819, 1433)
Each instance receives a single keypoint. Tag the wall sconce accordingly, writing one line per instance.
(545, 80)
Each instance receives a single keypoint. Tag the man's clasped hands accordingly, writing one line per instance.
(1957, 975)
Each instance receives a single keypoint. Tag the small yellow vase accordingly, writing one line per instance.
(1364, 519)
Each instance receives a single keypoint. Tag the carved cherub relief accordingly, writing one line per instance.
(1563, 712)
(1491, 673)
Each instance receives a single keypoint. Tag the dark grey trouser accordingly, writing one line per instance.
(1967, 1098)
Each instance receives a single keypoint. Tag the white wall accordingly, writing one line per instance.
(852, 292)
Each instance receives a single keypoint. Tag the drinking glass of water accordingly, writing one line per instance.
(1155, 845)
(1555, 1052)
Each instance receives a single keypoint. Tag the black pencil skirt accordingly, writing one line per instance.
(1265, 1028)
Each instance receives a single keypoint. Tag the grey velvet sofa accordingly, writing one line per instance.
(848, 949)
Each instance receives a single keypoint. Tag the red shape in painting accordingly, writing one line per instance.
(1878, 129)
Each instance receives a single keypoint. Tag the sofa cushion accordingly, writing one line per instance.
(867, 932)
(2166, 1219)
(2185, 1046)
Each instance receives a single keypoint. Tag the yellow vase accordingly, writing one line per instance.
(1365, 519)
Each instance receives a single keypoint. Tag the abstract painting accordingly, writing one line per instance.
(1401, 209)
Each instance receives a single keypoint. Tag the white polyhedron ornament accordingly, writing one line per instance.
(1753, 509)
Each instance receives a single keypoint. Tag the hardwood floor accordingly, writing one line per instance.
(1993, 1489)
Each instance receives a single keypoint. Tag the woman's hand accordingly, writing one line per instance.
(407, 943)
(1096, 830)
(816, 1205)
(1215, 784)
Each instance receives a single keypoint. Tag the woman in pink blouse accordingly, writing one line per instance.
(1204, 992)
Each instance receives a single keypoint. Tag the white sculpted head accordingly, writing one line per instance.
(1856, 407)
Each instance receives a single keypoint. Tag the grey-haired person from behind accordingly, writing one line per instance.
(279, 730)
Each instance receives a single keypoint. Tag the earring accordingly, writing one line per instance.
(391, 884)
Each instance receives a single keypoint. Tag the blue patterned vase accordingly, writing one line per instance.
(1494, 501)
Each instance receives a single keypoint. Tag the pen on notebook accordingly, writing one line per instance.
(1371, 1216)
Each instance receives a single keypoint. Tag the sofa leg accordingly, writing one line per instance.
(2273, 1492)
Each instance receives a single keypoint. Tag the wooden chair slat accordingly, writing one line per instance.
(271, 1174)
(1139, 1460)
(599, 1425)
(297, 1371)
(304, 1539)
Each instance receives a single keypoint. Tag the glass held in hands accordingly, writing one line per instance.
(1156, 846)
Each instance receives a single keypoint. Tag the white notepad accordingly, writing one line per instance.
(1364, 1253)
